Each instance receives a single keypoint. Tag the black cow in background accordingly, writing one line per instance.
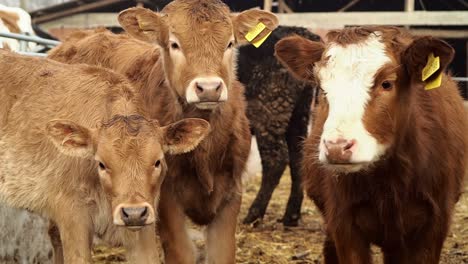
(278, 110)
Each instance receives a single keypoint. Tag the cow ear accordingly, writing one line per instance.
(183, 136)
(299, 54)
(246, 21)
(144, 24)
(421, 53)
(70, 138)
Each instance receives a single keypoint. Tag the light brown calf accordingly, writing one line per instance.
(186, 68)
(76, 148)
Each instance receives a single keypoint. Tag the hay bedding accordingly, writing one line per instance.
(268, 242)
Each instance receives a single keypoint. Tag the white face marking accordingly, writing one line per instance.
(347, 79)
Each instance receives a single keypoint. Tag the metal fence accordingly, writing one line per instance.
(24, 39)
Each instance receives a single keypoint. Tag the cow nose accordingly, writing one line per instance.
(208, 91)
(135, 216)
(339, 151)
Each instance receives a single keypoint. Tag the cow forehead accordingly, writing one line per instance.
(351, 68)
(199, 20)
(128, 134)
(197, 11)
(120, 149)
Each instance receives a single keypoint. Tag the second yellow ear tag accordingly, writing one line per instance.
(254, 32)
(260, 41)
(432, 65)
(434, 83)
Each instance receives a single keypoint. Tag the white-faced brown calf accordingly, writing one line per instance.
(186, 68)
(386, 158)
(76, 148)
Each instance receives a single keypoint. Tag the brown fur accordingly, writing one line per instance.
(50, 165)
(206, 183)
(404, 202)
(10, 20)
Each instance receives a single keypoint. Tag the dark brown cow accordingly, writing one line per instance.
(187, 69)
(386, 158)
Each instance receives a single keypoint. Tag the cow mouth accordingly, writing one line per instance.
(207, 105)
(134, 228)
(347, 167)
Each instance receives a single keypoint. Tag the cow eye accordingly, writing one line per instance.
(102, 166)
(157, 164)
(387, 85)
(174, 46)
(230, 44)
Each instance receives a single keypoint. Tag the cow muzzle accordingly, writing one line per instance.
(207, 92)
(134, 216)
(339, 151)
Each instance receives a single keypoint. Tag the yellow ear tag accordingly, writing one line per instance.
(434, 83)
(260, 41)
(432, 65)
(253, 33)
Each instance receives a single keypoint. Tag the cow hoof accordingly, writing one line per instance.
(291, 220)
(253, 218)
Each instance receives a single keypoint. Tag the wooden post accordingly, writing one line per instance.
(409, 5)
(283, 7)
(23, 5)
(267, 4)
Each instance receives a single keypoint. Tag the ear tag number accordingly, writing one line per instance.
(254, 32)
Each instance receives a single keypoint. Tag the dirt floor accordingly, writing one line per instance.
(270, 243)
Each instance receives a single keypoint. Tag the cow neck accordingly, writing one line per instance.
(205, 172)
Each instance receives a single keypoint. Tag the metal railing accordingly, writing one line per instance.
(460, 79)
(42, 41)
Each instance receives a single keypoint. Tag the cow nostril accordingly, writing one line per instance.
(144, 213)
(124, 214)
(199, 88)
(218, 87)
(349, 145)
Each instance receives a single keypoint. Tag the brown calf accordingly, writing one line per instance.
(187, 69)
(76, 148)
(386, 158)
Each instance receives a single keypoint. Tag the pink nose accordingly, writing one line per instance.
(209, 91)
(339, 151)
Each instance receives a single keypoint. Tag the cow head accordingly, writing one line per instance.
(197, 40)
(364, 74)
(129, 156)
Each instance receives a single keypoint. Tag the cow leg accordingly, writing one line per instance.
(297, 131)
(220, 234)
(426, 250)
(352, 249)
(76, 234)
(295, 135)
(143, 247)
(54, 235)
(273, 153)
(329, 251)
(178, 248)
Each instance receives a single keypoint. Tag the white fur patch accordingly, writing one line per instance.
(347, 79)
(24, 237)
